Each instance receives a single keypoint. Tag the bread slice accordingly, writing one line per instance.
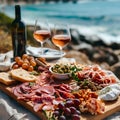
(6, 79)
(22, 75)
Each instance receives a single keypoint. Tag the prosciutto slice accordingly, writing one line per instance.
(44, 94)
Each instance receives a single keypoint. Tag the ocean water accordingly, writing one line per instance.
(99, 18)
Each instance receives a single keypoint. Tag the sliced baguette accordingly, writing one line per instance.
(6, 79)
(22, 75)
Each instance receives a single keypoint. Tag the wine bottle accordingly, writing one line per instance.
(18, 33)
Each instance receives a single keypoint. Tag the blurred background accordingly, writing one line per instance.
(98, 19)
(94, 25)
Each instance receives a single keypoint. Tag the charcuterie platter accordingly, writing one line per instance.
(63, 91)
(110, 108)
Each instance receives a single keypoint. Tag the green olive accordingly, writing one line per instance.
(61, 68)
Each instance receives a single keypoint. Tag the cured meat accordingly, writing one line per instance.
(89, 102)
(57, 101)
(45, 89)
(25, 87)
(38, 106)
(63, 91)
(96, 78)
(44, 78)
(48, 89)
(46, 94)
(95, 106)
(43, 69)
(43, 94)
(64, 94)
(17, 92)
(48, 107)
(62, 86)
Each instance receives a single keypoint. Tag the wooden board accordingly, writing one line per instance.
(110, 107)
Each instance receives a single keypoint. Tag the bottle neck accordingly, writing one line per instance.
(17, 12)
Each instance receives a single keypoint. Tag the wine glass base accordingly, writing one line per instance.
(49, 53)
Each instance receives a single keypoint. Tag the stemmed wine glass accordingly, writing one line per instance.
(61, 36)
(41, 32)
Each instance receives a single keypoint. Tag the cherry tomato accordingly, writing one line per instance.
(31, 58)
(17, 59)
(15, 66)
(25, 56)
(25, 66)
(20, 62)
(26, 61)
(33, 63)
(30, 68)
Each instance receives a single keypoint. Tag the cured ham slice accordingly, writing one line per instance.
(17, 92)
(45, 89)
(48, 107)
(48, 89)
(95, 77)
(44, 78)
(95, 106)
(38, 106)
(64, 94)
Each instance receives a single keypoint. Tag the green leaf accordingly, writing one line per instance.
(34, 73)
(31, 84)
(74, 76)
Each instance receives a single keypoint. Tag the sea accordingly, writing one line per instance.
(99, 18)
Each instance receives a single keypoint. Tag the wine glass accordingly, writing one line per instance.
(61, 36)
(41, 32)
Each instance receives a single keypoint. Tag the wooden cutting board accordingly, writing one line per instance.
(110, 107)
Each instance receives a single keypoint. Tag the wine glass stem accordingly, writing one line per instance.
(42, 48)
(61, 51)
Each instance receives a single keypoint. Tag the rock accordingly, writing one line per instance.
(117, 52)
(100, 54)
(81, 46)
(114, 46)
(94, 47)
(75, 36)
(116, 69)
(80, 57)
(93, 40)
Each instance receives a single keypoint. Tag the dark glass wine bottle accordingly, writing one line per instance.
(18, 33)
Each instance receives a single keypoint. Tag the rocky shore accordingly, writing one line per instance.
(95, 51)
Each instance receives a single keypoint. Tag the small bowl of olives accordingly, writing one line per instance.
(60, 71)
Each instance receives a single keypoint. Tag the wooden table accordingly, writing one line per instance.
(110, 107)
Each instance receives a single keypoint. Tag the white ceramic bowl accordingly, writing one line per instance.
(60, 76)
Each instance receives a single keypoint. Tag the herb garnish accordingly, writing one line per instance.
(74, 69)
(34, 73)
(31, 84)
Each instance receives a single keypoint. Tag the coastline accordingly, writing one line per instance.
(80, 39)
(38, 2)
(94, 27)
